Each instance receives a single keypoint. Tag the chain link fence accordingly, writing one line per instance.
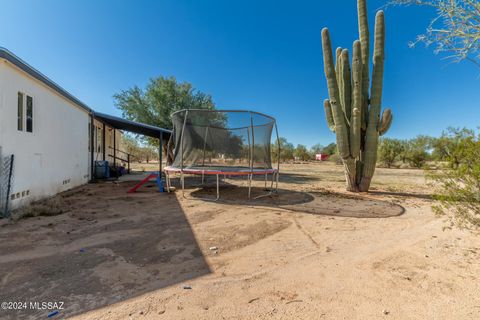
(6, 184)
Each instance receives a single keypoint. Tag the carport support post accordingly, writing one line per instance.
(103, 141)
(160, 155)
(114, 149)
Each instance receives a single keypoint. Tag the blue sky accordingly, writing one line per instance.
(259, 55)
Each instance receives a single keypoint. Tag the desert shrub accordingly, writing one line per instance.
(417, 158)
(443, 147)
(415, 151)
(389, 150)
(458, 184)
(301, 152)
(286, 150)
(403, 166)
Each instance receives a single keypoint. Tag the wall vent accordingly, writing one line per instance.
(19, 195)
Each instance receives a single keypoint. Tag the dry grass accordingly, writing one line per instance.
(49, 207)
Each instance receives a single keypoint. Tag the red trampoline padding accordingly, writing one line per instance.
(231, 171)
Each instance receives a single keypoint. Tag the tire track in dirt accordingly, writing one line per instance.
(305, 232)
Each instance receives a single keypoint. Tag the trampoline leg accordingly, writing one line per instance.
(270, 191)
(276, 182)
(203, 177)
(167, 181)
(249, 185)
(182, 178)
(218, 189)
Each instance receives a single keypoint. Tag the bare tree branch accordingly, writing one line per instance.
(455, 30)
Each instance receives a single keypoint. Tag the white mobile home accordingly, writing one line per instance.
(52, 134)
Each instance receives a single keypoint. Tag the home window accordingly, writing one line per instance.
(20, 118)
(29, 114)
(24, 112)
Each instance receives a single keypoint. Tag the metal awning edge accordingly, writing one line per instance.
(132, 126)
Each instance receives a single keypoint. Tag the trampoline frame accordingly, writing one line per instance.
(250, 172)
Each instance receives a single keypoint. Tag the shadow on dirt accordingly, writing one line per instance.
(109, 246)
(318, 203)
(402, 194)
(297, 178)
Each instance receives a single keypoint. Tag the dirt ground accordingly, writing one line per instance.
(313, 251)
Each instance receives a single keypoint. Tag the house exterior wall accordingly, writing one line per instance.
(109, 142)
(55, 156)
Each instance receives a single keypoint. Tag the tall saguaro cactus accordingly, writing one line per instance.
(353, 110)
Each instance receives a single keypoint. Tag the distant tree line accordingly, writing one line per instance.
(451, 161)
(419, 151)
(414, 153)
(290, 152)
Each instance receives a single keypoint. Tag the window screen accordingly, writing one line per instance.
(29, 114)
(20, 112)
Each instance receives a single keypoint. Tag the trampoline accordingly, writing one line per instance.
(223, 143)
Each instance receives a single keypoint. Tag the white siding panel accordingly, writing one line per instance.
(55, 156)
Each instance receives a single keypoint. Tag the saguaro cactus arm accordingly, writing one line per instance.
(385, 122)
(346, 88)
(338, 53)
(364, 33)
(378, 62)
(337, 111)
(371, 138)
(357, 101)
(328, 115)
(355, 133)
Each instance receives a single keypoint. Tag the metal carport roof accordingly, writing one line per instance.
(132, 126)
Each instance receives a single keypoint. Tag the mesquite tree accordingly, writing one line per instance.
(353, 110)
